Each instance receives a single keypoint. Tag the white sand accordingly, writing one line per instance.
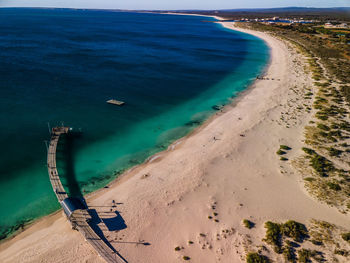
(240, 176)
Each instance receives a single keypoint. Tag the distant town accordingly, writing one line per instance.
(278, 20)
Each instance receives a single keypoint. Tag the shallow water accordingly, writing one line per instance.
(60, 65)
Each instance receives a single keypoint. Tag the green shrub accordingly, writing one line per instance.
(288, 254)
(285, 147)
(321, 165)
(186, 258)
(280, 152)
(275, 233)
(177, 248)
(334, 152)
(273, 236)
(346, 236)
(323, 127)
(309, 179)
(334, 186)
(308, 150)
(248, 224)
(254, 257)
(331, 138)
(334, 126)
(294, 230)
(283, 159)
(316, 242)
(341, 252)
(322, 117)
(304, 255)
(323, 134)
(336, 133)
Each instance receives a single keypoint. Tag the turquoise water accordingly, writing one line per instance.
(62, 65)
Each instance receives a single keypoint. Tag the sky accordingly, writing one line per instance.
(173, 4)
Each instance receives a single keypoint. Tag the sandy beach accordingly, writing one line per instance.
(195, 195)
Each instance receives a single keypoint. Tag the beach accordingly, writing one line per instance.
(195, 195)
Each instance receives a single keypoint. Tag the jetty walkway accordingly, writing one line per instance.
(75, 210)
(51, 163)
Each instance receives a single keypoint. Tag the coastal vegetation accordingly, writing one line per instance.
(285, 147)
(346, 237)
(319, 242)
(305, 255)
(328, 46)
(254, 257)
(248, 224)
(329, 236)
(277, 233)
(282, 151)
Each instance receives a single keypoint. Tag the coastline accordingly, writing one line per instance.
(155, 215)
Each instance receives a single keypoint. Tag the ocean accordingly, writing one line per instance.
(60, 66)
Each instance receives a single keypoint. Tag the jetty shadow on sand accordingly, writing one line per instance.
(113, 224)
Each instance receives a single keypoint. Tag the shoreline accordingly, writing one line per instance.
(192, 188)
(203, 125)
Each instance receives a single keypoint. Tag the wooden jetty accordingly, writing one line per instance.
(79, 217)
(116, 102)
(51, 163)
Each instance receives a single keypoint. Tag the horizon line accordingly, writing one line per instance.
(223, 9)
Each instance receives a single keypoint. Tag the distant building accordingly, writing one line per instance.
(328, 25)
(343, 25)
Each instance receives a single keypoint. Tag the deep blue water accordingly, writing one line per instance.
(61, 65)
